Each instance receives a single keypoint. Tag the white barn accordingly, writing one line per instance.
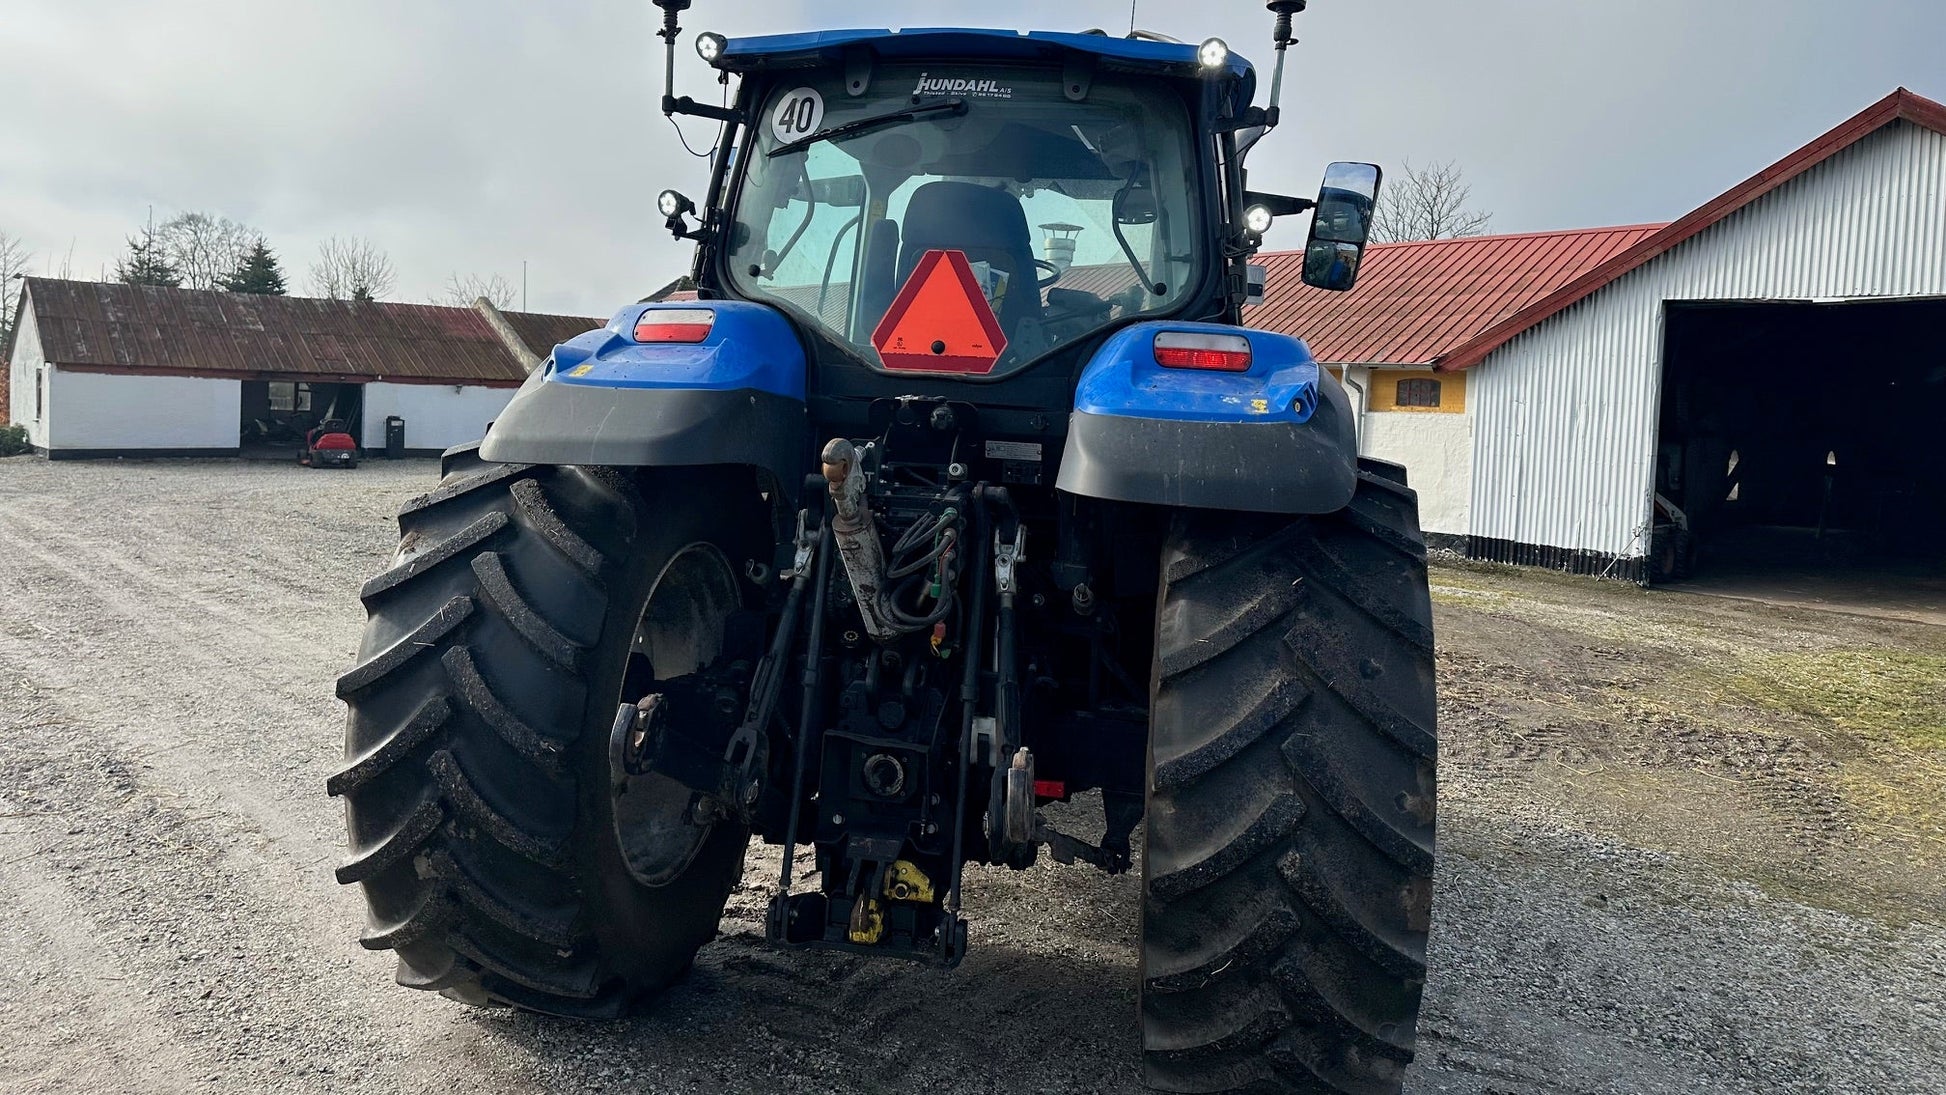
(1762, 377)
(106, 369)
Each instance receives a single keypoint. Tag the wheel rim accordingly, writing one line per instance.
(680, 631)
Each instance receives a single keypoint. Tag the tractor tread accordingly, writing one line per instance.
(553, 930)
(1290, 826)
(454, 489)
(532, 503)
(1230, 721)
(1242, 922)
(430, 916)
(475, 768)
(395, 657)
(477, 697)
(459, 791)
(460, 456)
(1309, 871)
(424, 724)
(401, 841)
(1322, 561)
(467, 538)
(497, 590)
(570, 981)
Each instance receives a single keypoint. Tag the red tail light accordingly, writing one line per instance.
(1200, 350)
(675, 324)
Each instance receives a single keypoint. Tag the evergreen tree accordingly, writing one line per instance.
(361, 292)
(146, 264)
(257, 273)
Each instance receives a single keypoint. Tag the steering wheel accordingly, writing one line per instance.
(1054, 273)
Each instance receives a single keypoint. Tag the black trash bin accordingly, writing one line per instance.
(395, 438)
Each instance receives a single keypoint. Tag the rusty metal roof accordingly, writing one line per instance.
(1415, 302)
(542, 332)
(145, 329)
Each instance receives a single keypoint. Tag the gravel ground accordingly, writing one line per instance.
(1668, 864)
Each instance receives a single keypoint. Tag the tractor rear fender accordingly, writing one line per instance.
(736, 396)
(1275, 437)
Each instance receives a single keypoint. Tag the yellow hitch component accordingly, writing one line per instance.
(906, 882)
(867, 921)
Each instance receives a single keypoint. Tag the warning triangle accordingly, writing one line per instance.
(941, 321)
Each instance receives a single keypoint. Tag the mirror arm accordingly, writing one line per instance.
(1255, 116)
(686, 105)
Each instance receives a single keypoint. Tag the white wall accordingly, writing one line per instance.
(1566, 413)
(21, 395)
(436, 416)
(119, 411)
(1437, 451)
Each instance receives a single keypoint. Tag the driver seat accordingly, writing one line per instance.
(986, 223)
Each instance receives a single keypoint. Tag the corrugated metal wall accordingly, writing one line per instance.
(1566, 413)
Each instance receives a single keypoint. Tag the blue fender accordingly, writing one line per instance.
(737, 397)
(1277, 438)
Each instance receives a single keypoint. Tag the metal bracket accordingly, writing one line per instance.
(984, 748)
(858, 71)
(806, 540)
(1005, 557)
(1077, 76)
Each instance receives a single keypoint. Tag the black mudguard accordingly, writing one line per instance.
(651, 427)
(1263, 467)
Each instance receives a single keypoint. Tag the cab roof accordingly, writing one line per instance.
(972, 43)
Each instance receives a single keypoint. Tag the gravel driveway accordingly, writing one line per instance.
(1686, 845)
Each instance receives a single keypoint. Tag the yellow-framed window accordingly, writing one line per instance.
(1418, 390)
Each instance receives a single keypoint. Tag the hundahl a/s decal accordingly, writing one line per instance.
(979, 89)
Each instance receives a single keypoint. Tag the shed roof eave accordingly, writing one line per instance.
(1901, 105)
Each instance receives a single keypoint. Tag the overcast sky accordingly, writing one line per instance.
(469, 135)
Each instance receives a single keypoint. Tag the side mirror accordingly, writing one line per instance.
(1341, 225)
(844, 190)
(1135, 205)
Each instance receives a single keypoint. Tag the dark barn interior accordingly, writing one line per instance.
(277, 414)
(1803, 438)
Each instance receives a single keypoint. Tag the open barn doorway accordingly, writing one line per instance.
(276, 415)
(1799, 450)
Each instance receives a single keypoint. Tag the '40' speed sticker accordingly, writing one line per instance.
(797, 116)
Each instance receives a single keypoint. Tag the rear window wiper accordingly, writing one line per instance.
(877, 121)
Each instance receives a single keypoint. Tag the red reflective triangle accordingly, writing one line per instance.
(941, 321)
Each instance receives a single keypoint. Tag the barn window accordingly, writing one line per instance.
(40, 395)
(1418, 391)
(286, 396)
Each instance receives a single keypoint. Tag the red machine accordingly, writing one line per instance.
(327, 445)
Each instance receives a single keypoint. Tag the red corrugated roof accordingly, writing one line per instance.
(1901, 105)
(1417, 301)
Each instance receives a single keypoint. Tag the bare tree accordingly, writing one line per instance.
(351, 269)
(204, 249)
(1428, 203)
(461, 292)
(14, 258)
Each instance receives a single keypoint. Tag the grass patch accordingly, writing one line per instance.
(1887, 695)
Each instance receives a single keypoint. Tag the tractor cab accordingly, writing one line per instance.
(1071, 185)
(1077, 203)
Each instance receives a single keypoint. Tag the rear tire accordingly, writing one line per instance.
(476, 778)
(1288, 868)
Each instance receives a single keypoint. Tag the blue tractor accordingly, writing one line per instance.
(958, 489)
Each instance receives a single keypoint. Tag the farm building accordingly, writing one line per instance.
(107, 369)
(1761, 379)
